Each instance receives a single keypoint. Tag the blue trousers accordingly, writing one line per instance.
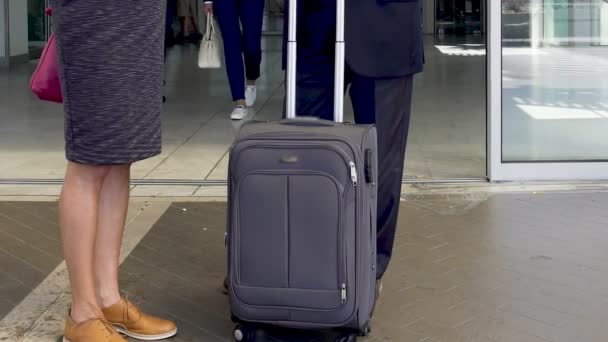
(247, 45)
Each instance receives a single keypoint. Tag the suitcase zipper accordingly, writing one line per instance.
(343, 191)
(353, 172)
(303, 144)
(342, 153)
(343, 256)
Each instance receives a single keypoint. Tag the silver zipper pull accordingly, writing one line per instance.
(353, 173)
(343, 293)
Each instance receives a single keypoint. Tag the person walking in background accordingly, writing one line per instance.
(239, 45)
(169, 36)
(384, 49)
(111, 77)
(188, 16)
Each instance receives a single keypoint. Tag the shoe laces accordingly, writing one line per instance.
(128, 305)
(109, 328)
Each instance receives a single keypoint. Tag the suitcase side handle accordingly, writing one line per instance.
(369, 166)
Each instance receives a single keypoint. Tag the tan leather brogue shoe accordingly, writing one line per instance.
(127, 319)
(93, 330)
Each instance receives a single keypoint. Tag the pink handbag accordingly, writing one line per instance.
(45, 81)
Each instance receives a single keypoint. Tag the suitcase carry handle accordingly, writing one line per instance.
(292, 61)
(307, 121)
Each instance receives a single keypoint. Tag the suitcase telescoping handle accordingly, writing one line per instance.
(292, 60)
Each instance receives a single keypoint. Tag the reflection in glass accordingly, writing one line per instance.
(447, 134)
(555, 80)
(458, 16)
(37, 24)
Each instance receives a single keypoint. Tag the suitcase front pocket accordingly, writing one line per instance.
(288, 240)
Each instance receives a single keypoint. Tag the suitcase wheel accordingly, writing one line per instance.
(242, 333)
(347, 338)
(365, 331)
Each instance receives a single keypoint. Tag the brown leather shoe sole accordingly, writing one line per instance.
(137, 336)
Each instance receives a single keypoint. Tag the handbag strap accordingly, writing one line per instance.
(210, 29)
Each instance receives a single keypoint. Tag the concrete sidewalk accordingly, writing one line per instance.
(471, 267)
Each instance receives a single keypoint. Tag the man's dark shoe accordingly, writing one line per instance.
(194, 38)
(180, 39)
(378, 292)
(225, 286)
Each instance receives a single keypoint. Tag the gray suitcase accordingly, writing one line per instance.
(302, 216)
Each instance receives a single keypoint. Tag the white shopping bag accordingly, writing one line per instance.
(209, 53)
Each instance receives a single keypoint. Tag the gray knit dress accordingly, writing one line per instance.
(111, 66)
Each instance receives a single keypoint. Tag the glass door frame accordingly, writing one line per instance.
(498, 170)
(48, 20)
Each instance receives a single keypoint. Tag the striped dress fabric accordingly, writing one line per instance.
(111, 69)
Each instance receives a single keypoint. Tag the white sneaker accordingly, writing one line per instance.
(239, 113)
(250, 95)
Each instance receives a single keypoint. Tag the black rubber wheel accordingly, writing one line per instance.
(365, 331)
(347, 338)
(241, 333)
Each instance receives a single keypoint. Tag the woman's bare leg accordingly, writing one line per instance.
(78, 211)
(113, 205)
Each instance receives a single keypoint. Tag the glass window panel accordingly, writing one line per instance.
(555, 80)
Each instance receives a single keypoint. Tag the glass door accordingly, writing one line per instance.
(599, 22)
(445, 16)
(447, 136)
(273, 18)
(458, 16)
(38, 26)
(548, 89)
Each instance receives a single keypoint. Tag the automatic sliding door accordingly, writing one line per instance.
(554, 113)
(448, 125)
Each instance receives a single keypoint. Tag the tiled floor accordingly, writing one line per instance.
(470, 267)
(30, 249)
(448, 123)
